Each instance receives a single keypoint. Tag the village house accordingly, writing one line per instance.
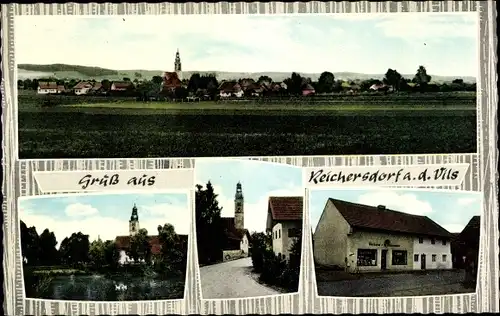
(171, 81)
(308, 89)
(123, 242)
(229, 89)
(49, 88)
(284, 222)
(97, 88)
(362, 238)
(467, 247)
(237, 239)
(83, 87)
(121, 86)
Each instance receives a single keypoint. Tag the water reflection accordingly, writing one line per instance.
(119, 288)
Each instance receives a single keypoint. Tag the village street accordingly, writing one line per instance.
(232, 279)
(401, 284)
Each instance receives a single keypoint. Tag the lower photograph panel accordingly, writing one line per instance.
(249, 218)
(105, 247)
(395, 242)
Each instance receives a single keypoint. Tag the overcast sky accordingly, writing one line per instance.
(104, 215)
(259, 181)
(452, 210)
(443, 42)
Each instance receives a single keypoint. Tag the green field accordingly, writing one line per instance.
(112, 128)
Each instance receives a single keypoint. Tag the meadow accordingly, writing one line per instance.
(97, 127)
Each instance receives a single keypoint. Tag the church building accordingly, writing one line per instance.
(123, 242)
(237, 238)
(173, 80)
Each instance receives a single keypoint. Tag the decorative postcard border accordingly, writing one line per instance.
(18, 175)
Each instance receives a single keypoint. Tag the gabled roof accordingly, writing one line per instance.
(171, 80)
(82, 85)
(228, 86)
(383, 219)
(286, 208)
(471, 231)
(47, 85)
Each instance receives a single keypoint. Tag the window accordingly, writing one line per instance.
(420, 240)
(433, 258)
(279, 233)
(433, 241)
(444, 258)
(294, 232)
(367, 257)
(415, 258)
(399, 257)
(444, 242)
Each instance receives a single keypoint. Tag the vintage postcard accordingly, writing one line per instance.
(250, 158)
(249, 227)
(105, 247)
(385, 242)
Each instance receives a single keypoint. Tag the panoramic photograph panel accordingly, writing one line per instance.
(112, 247)
(249, 228)
(380, 243)
(286, 85)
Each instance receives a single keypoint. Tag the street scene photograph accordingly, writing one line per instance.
(248, 228)
(344, 84)
(390, 242)
(105, 247)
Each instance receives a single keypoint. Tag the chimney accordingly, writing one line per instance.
(381, 207)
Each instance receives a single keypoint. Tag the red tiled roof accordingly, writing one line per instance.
(123, 242)
(82, 85)
(122, 84)
(171, 80)
(381, 218)
(229, 86)
(47, 85)
(286, 208)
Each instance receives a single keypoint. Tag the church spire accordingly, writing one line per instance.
(133, 224)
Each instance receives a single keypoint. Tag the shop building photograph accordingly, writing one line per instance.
(393, 242)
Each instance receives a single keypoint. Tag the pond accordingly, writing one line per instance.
(104, 288)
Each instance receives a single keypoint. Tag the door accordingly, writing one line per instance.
(383, 260)
(422, 261)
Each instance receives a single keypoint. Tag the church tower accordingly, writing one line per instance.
(177, 65)
(133, 224)
(239, 221)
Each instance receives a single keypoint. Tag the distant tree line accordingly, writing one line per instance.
(84, 70)
(78, 252)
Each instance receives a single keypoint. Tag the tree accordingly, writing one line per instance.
(48, 252)
(97, 253)
(111, 253)
(34, 84)
(208, 224)
(181, 93)
(294, 83)
(126, 79)
(157, 79)
(261, 243)
(296, 250)
(30, 244)
(27, 84)
(422, 78)
(173, 257)
(264, 80)
(75, 249)
(325, 82)
(138, 75)
(140, 248)
(393, 78)
(194, 82)
(106, 84)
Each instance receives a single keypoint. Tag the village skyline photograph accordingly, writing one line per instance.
(412, 74)
(249, 228)
(105, 247)
(389, 242)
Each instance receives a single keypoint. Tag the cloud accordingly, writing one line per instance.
(398, 201)
(79, 209)
(467, 201)
(107, 227)
(255, 214)
(310, 43)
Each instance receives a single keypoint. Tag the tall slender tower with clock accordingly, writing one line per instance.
(239, 221)
(133, 224)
